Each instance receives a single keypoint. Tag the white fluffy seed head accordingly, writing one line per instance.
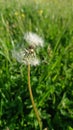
(24, 57)
(18, 55)
(28, 56)
(33, 39)
(32, 61)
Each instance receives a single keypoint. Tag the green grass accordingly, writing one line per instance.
(52, 80)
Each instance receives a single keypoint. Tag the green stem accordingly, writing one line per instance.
(32, 100)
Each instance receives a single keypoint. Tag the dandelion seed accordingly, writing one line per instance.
(33, 39)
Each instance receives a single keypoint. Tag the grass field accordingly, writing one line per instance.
(51, 80)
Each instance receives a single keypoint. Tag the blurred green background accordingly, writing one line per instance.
(52, 80)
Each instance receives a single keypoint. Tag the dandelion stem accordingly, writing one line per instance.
(32, 100)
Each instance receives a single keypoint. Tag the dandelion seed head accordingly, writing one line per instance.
(28, 55)
(18, 55)
(33, 39)
(32, 61)
(25, 57)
